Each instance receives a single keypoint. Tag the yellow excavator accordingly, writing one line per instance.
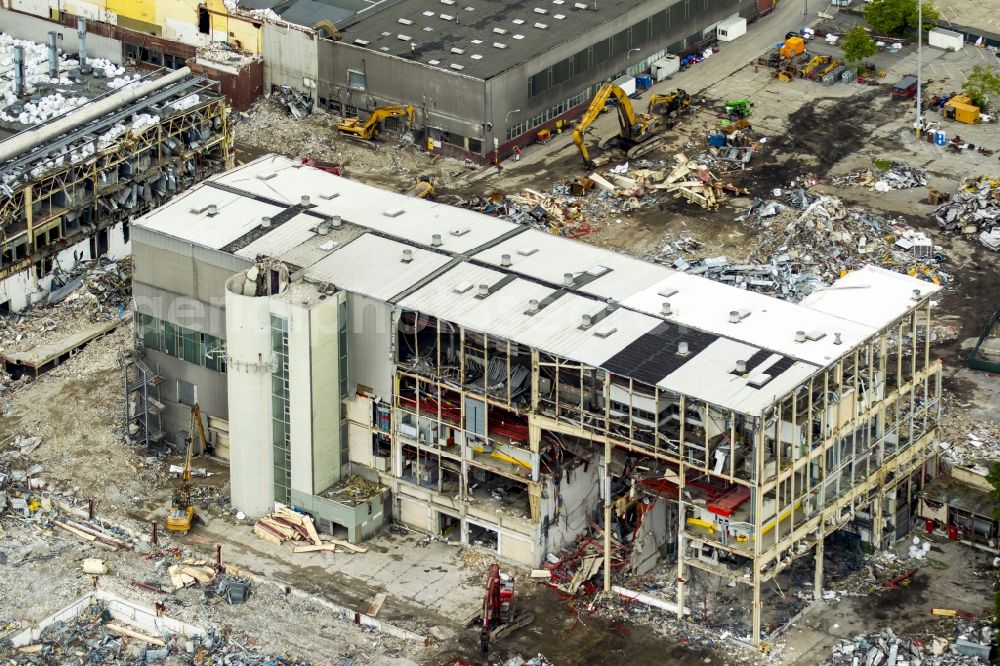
(370, 128)
(636, 135)
(669, 104)
(181, 514)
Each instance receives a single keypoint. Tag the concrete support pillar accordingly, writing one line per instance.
(818, 582)
(755, 611)
(607, 516)
(681, 571)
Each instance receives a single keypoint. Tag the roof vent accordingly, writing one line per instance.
(741, 367)
(568, 279)
(463, 287)
(329, 195)
(476, 41)
(836, 339)
(500, 31)
(456, 66)
(610, 304)
(427, 13)
(758, 380)
(267, 175)
(527, 251)
(433, 62)
(815, 335)
(605, 332)
(665, 309)
(499, 45)
(476, 56)
(459, 231)
(736, 316)
(916, 294)
(560, 16)
(405, 21)
(682, 348)
(265, 222)
(362, 42)
(335, 221)
(586, 321)
(579, 5)
(667, 292)
(323, 229)
(541, 26)
(327, 246)
(598, 270)
(403, 38)
(212, 210)
(447, 2)
(393, 212)
(436, 240)
(518, 36)
(532, 306)
(484, 290)
(447, 17)
(458, 51)
(541, 10)
(505, 260)
(800, 336)
(407, 256)
(518, 21)
(304, 201)
(198, 210)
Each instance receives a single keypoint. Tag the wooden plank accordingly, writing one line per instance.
(74, 531)
(332, 547)
(199, 574)
(541, 573)
(125, 631)
(376, 604)
(311, 529)
(349, 546)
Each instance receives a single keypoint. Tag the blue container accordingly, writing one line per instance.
(644, 82)
(940, 138)
(717, 140)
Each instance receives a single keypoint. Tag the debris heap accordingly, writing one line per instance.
(878, 649)
(974, 208)
(894, 176)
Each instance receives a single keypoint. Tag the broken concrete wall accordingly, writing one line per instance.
(573, 500)
(292, 58)
(653, 538)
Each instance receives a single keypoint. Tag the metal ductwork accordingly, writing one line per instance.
(53, 55)
(19, 77)
(81, 31)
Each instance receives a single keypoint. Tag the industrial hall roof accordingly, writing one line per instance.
(480, 38)
(662, 327)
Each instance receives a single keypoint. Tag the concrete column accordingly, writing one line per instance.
(755, 611)
(681, 571)
(818, 582)
(607, 515)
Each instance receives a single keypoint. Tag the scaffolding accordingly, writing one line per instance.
(142, 424)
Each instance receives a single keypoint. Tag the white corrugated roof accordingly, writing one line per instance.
(417, 221)
(237, 215)
(872, 296)
(281, 239)
(373, 265)
(709, 377)
(553, 256)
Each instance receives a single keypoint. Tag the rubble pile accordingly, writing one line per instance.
(974, 208)
(299, 104)
(895, 176)
(885, 647)
(808, 243)
(95, 636)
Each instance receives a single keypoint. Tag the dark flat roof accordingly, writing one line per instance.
(438, 27)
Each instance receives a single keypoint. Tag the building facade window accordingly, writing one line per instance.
(280, 421)
(200, 349)
(187, 393)
(356, 80)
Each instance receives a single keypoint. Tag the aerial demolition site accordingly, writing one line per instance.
(431, 332)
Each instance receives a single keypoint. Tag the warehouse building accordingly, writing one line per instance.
(486, 76)
(509, 388)
(83, 153)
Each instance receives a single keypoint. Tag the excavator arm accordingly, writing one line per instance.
(627, 118)
(369, 128)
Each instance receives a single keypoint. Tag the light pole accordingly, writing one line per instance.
(496, 143)
(629, 54)
(920, 41)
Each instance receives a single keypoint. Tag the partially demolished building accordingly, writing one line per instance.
(511, 388)
(85, 150)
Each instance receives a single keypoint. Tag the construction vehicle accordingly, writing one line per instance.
(670, 104)
(739, 108)
(815, 63)
(499, 618)
(635, 136)
(181, 514)
(422, 189)
(327, 26)
(370, 128)
(792, 47)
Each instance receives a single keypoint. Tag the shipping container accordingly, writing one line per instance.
(626, 83)
(730, 29)
(945, 39)
(666, 66)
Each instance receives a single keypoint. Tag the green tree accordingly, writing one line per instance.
(858, 45)
(888, 17)
(982, 83)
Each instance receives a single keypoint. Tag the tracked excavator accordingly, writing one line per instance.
(669, 104)
(370, 128)
(181, 514)
(636, 131)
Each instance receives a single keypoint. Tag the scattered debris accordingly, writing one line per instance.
(885, 177)
(974, 208)
(969, 643)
